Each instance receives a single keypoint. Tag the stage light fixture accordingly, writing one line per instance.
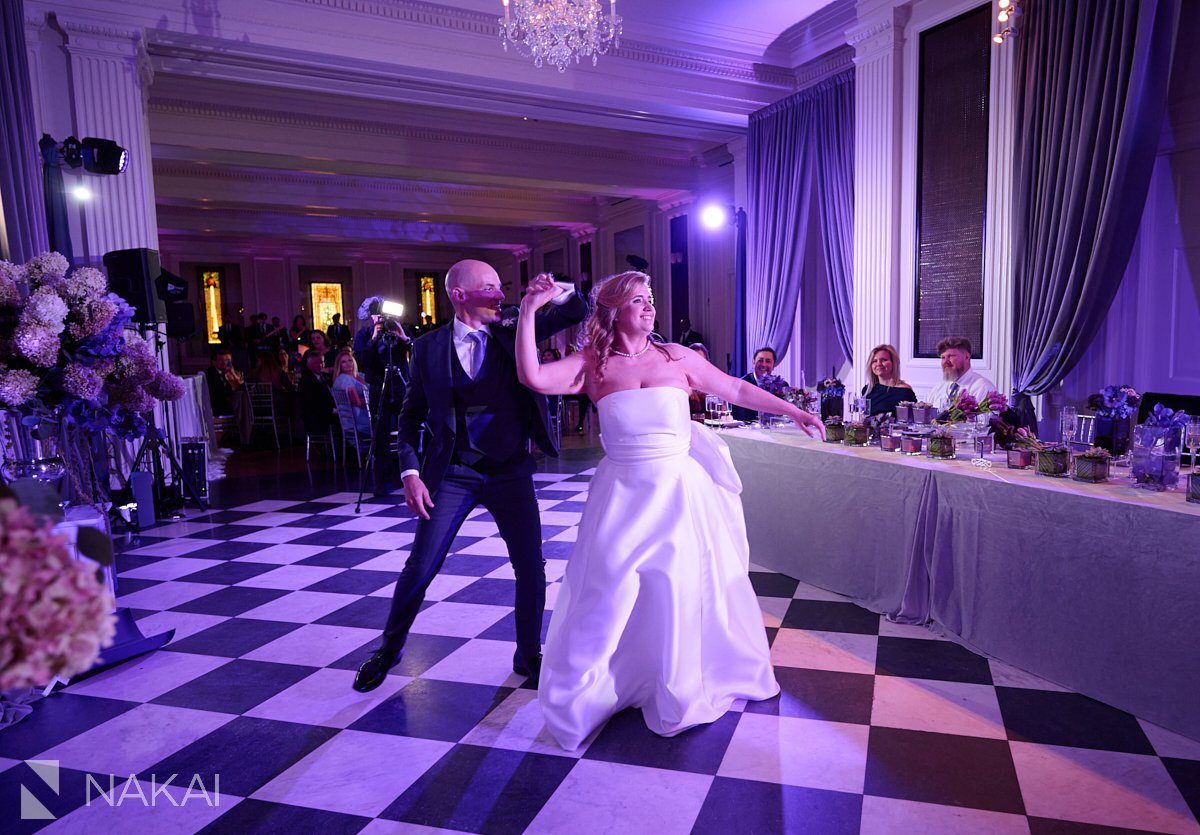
(81, 193)
(103, 156)
(714, 216)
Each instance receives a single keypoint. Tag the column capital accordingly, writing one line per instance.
(583, 233)
(100, 39)
(879, 33)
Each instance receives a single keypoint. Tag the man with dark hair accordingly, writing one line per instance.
(955, 354)
(223, 381)
(338, 334)
(763, 364)
(686, 335)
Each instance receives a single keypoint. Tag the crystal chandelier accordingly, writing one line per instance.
(555, 31)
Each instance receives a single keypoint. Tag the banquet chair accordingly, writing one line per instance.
(262, 405)
(1085, 432)
(350, 434)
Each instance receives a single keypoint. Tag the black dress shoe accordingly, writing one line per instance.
(531, 668)
(374, 670)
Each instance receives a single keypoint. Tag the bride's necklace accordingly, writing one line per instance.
(634, 355)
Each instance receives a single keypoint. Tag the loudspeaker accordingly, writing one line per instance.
(131, 275)
(171, 288)
(181, 320)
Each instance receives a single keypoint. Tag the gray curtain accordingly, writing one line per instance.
(799, 150)
(1091, 82)
(20, 160)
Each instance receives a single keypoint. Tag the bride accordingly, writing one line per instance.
(656, 609)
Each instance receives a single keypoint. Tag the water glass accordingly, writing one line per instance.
(1068, 421)
(712, 406)
(984, 444)
(1191, 440)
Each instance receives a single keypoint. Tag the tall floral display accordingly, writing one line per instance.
(69, 367)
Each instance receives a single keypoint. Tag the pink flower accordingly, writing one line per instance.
(130, 396)
(46, 309)
(46, 269)
(165, 386)
(90, 318)
(55, 615)
(996, 402)
(36, 344)
(136, 361)
(17, 386)
(11, 277)
(84, 284)
(82, 382)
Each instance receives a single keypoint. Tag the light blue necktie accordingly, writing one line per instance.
(480, 340)
(953, 394)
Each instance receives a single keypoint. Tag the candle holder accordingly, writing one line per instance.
(1020, 459)
(911, 444)
(889, 442)
(835, 431)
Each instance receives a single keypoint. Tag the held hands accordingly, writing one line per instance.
(539, 292)
(809, 423)
(416, 496)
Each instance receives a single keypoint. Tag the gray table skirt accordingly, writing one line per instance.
(1080, 585)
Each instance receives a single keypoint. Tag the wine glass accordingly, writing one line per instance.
(1068, 422)
(1192, 440)
(712, 406)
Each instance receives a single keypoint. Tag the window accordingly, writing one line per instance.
(952, 162)
(210, 283)
(326, 301)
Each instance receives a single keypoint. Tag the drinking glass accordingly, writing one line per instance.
(712, 406)
(1192, 441)
(1068, 421)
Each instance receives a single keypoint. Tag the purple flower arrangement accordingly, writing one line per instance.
(65, 351)
(774, 384)
(1115, 402)
(831, 387)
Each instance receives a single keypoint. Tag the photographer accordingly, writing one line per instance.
(379, 343)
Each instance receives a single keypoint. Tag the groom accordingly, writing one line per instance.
(480, 419)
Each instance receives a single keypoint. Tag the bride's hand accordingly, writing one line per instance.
(539, 292)
(810, 424)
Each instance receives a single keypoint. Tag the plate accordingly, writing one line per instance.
(725, 423)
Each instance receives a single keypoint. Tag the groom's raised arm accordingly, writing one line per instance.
(558, 317)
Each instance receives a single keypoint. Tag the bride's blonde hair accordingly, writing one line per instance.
(608, 297)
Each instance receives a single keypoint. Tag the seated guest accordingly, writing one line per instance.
(223, 381)
(764, 364)
(318, 344)
(884, 388)
(316, 400)
(955, 353)
(550, 355)
(269, 370)
(298, 333)
(697, 400)
(687, 336)
(346, 378)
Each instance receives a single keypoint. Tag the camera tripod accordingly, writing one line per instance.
(154, 442)
(384, 409)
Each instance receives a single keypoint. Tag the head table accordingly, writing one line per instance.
(1088, 585)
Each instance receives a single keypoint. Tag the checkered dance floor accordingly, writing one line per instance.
(880, 728)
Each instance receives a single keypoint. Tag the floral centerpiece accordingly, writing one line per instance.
(941, 444)
(965, 407)
(1019, 444)
(67, 361)
(857, 433)
(904, 411)
(1092, 464)
(1156, 446)
(1053, 460)
(832, 392)
(923, 412)
(1115, 408)
(803, 399)
(56, 614)
(835, 430)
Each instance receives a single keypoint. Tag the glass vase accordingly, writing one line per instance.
(1156, 456)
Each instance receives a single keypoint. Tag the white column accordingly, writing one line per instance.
(109, 80)
(878, 95)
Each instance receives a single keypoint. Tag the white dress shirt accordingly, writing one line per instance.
(975, 383)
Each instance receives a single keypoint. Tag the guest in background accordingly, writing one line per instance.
(378, 344)
(256, 337)
(764, 364)
(339, 334)
(298, 333)
(318, 344)
(224, 381)
(955, 353)
(316, 400)
(582, 399)
(550, 355)
(276, 335)
(697, 400)
(687, 336)
(346, 378)
(884, 388)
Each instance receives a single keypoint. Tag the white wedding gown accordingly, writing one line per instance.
(656, 608)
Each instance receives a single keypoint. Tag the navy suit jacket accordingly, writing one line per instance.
(429, 397)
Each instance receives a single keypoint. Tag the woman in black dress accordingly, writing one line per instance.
(885, 389)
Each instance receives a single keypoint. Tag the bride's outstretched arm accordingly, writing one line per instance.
(564, 376)
(706, 377)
